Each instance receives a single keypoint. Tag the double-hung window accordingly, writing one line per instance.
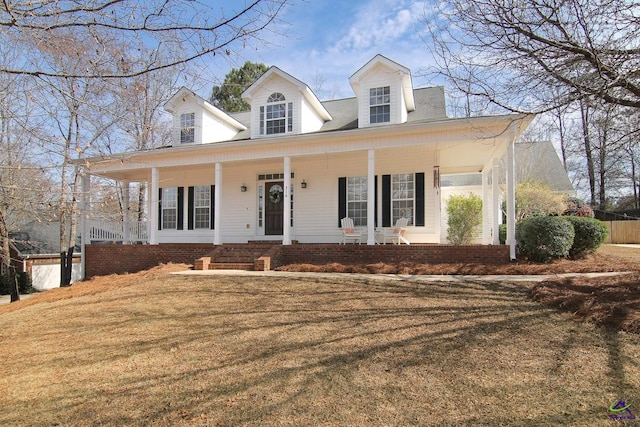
(169, 208)
(277, 116)
(202, 206)
(402, 196)
(187, 128)
(379, 105)
(357, 199)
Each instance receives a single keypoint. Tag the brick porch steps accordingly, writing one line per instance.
(246, 266)
(246, 257)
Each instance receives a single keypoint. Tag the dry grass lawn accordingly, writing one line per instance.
(163, 350)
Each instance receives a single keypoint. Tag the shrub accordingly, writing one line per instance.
(577, 207)
(24, 283)
(589, 235)
(465, 217)
(534, 198)
(545, 238)
(502, 233)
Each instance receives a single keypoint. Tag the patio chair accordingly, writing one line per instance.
(349, 232)
(395, 234)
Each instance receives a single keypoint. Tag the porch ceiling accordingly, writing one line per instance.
(461, 145)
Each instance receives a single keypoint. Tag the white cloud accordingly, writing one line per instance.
(332, 42)
(379, 23)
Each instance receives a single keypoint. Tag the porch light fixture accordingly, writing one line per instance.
(243, 188)
(436, 177)
(303, 184)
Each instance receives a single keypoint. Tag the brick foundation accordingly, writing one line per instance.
(106, 259)
(109, 258)
(364, 254)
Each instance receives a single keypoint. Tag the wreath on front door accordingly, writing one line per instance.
(275, 193)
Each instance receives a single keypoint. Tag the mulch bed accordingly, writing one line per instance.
(611, 301)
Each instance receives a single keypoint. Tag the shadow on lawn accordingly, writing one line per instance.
(247, 351)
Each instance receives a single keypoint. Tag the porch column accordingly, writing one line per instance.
(437, 202)
(126, 235)
(153, 207)
(486, 209)
(511, 194)
(85, 208)
(371, 197)
(495, 200)
(217, 197)
(286, 226)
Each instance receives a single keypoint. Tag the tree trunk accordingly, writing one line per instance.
(6, 260)
(584, 113)
(142, 201)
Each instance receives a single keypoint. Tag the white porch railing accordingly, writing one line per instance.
(113, 231)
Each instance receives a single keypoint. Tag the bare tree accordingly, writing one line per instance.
(24, 187)
(141, 122)
(538, 54)
(174, 32)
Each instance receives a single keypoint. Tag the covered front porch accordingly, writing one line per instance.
(297, 189)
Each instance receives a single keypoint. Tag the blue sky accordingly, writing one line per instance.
(333, 39)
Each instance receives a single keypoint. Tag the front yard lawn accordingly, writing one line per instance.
(156, 349)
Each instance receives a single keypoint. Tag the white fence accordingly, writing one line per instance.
(112, 231)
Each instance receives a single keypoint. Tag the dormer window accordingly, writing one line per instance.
(379, 105)
(277, 116)
(187, 128)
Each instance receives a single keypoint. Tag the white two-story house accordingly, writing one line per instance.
(291, 167)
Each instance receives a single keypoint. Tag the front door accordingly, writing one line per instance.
(274, 209)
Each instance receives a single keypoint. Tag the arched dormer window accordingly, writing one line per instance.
(277, 116)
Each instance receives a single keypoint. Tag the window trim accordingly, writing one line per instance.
(380, 105)
(360, 183)
(169, 198)
(410, 196)
(187, 128)
(200, 206)
(276, 116)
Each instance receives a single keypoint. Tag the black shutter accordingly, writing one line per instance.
(180, 225)
(419, 199)
(375, 201)
(386, 200)
(190, 207)
(342, 199)
(213, 206)
(159, 208)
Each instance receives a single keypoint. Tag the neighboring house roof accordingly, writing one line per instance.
(539, 161)
(38, 239)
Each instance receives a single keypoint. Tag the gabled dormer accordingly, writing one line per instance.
(282, 104)
(384, 91)
(196, 121)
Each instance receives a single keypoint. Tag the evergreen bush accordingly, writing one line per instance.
(545, 238)
(502, 233)
(590, 233)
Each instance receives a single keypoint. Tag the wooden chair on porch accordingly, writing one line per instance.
(349, 232)
(395, 234)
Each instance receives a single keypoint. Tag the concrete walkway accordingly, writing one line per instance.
(399, 277)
